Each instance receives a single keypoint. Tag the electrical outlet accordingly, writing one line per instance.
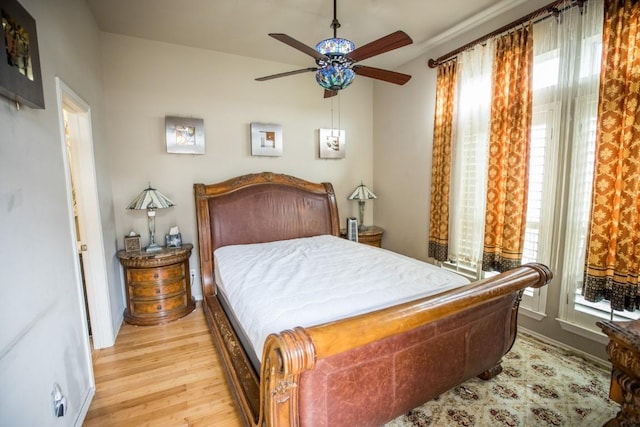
(59, 401)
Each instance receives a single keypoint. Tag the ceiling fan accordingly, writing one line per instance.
(336, 59)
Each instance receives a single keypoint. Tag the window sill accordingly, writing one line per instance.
(584, 332)
(535, 315)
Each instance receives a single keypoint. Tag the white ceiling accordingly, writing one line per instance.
(241, 27)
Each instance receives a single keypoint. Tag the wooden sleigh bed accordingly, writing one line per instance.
(363, 370)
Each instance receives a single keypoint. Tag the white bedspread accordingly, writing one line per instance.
(308, 281)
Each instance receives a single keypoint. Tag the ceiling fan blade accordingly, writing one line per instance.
(287, 73)
(380, 74)
(382, 45)
(298, 45)
(329, 93)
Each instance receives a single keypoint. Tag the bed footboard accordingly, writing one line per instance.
(347, 373)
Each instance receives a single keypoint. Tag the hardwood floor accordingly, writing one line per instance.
(167, 375)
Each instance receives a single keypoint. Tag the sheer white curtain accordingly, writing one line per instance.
(554, 51)
(469, 156)
(585, 82)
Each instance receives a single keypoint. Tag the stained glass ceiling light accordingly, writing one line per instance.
(336, 73)
(335, 46)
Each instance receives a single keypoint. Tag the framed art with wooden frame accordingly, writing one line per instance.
(266, 139)
(185, 135)
(20, 77)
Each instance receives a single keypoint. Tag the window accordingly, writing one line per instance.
(566, 73)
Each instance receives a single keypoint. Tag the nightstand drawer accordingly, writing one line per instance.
(155, 291)
(155, 275)
(370, 239)
(141, 307)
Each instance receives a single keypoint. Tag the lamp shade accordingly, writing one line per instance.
(362, 193)
(150, 199)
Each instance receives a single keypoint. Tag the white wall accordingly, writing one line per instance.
(403, 139)
(146, 81)
(402, 160)
(42, 338)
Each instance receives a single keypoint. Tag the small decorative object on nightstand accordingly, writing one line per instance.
(362, 193)
(158, 285)
(371, 236)
(132, 242)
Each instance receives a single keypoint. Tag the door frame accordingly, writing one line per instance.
(94, 259)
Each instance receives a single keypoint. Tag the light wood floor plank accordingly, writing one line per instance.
(166, 375)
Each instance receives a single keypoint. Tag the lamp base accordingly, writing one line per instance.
(153, 248)
(361, 226)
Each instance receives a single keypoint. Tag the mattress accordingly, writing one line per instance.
(308, 281)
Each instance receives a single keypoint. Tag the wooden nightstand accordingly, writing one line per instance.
(157, 284)
(624, 353)
(371, 236)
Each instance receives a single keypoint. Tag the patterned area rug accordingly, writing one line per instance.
(540, 385)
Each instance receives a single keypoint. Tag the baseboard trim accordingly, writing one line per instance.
(601, 363)
(84, 409)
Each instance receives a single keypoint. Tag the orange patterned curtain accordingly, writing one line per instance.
(613, 243)
(509, 141)
(441, 163)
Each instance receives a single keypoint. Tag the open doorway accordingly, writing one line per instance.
(77, 139)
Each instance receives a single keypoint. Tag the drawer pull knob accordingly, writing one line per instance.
(159, 307)
(157, 291)
(155, 275)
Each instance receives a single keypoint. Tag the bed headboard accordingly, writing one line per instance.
(259, 208)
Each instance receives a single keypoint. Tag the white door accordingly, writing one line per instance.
(82, 189)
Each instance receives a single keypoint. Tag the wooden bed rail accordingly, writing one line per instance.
(328, 340)
(289, 353)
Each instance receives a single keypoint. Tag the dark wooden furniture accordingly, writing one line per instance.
(371, 236)
(157, 284)
(624, 353)
(363, 370)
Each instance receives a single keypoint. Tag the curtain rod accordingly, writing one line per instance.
(535, 16)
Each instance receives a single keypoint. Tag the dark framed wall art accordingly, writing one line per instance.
(20, 77)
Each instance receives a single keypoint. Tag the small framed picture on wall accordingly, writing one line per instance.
(332, 143)
(266, 139)
(185, 135)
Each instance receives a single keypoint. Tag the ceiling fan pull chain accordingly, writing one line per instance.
(339, 103)
(332, 98)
